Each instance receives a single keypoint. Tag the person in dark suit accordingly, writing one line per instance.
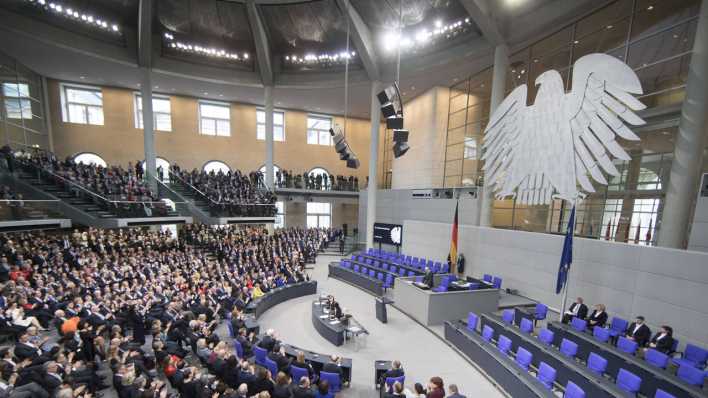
(268, 341)
(278, 356)
(639, 332)
(395, 371)
(663, 340)
(396, 391)
(428, 277)
(303, 389)
(577, 309)
(454, 392)
(334, 366)
(598, 317)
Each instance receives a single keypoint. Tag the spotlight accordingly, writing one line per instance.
(343, 149)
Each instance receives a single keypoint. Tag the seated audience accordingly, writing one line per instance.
(322, 390)
(663, 340)
(598, 317)
(303, 389)
(639, 332)
(396, 391)
(577, 309)
(436, 388)
(454, 392)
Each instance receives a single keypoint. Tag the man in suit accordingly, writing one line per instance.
(663, 340)
(334, 366)
(639, 332)
(428, 277)
(454, 392)
(303, 389)
(395, 371)
(268, 340)
(577, 309)
(278, 356)
(598, 317)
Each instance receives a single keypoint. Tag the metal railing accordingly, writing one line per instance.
(226, 209)
(119, 208)
(29, 209)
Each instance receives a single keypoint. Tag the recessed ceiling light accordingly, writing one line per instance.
(205, 93)
(156, 87)
(412, 87)
(650, 8)
(577, 41)
(455, 79)
(82, 77)
(221, 95)
(609, 26)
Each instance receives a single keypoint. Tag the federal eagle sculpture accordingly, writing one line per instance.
(553, 148)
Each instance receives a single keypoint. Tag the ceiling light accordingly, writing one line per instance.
(650, 8)
(205, 93)
(438, 24)
(82, 77)
(609, 26)
(576, 42)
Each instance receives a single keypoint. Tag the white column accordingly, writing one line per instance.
(373, 164)
(269, 136)
(688, 151)
(501, 65)
(148, 128)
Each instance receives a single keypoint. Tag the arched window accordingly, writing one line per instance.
(318, 171)
(216, 166)
(161, 162)
(88, 158)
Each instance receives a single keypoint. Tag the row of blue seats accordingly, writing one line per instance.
(595, 363)
(387, 278)
(382, 265)
(693, 355)
(415, 262)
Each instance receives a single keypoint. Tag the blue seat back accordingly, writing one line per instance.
(504, 344)
(238, 348)
(523, 358)
(618, 326)
(663, 394)
(390, 381)
(696, 355)
(508, 316)
(546, 375)
(372, 273)
(335, 384)
(497, 282)
(546, 336)
(393, 269)
(626, 345)
(691, 375)
(568, 348)
(419, 278)
(628, 381)
(540, 311)
(601, 334)
(656, 358)
(487, 278)
(578, 324)
(597, 364)
(411, 273)
(298, 373)
(573, 391)
(261, 355)
(272, 366)
(472, 319)
(526, 325)
(487, 333)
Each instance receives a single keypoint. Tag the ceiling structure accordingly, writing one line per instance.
(229, 49)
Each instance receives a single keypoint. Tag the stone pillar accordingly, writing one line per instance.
(47, 114)
(690, 141)
(501, 65)
(373, 165)
(269, 137)
(148, 128)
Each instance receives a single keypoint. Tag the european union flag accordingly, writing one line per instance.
(567, 256)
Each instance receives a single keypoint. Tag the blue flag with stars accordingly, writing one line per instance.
(567, 256)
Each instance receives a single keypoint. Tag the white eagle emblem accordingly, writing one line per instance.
(544, 151)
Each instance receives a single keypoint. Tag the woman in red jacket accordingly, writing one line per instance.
(436, 389)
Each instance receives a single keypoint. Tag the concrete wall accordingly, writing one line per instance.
(394, 206)
(426, 119)
(698, 240)
(667, 286)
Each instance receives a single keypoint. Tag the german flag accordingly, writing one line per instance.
(453, 243)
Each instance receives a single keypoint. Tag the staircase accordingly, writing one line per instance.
(333, 249)
(190, 196)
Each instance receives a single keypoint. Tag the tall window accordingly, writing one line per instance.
(318, 130)
(278, 125)
(88, 158)
(214, 118)
(82, 105)
(319, 214)
(216, 166)
(280, 215)
(161, 112)
(17, 100)
(470, 148)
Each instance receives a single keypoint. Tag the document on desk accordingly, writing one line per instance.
(335, 322)
(324, 316)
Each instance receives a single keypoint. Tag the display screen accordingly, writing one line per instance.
(388, 234)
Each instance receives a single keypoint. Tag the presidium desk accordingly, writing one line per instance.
(430, 308)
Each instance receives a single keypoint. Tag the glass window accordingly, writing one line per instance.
(161, 163)
(216, 166)
(161, 113)
(214, 119)
(90, 158)
(318, 130)
(279, 215)
(470, 148)
(82, 105)
(319, 214)
(278, 125)
(17, 100)
(276, 169)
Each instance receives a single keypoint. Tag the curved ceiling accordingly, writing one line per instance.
(230, 48)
